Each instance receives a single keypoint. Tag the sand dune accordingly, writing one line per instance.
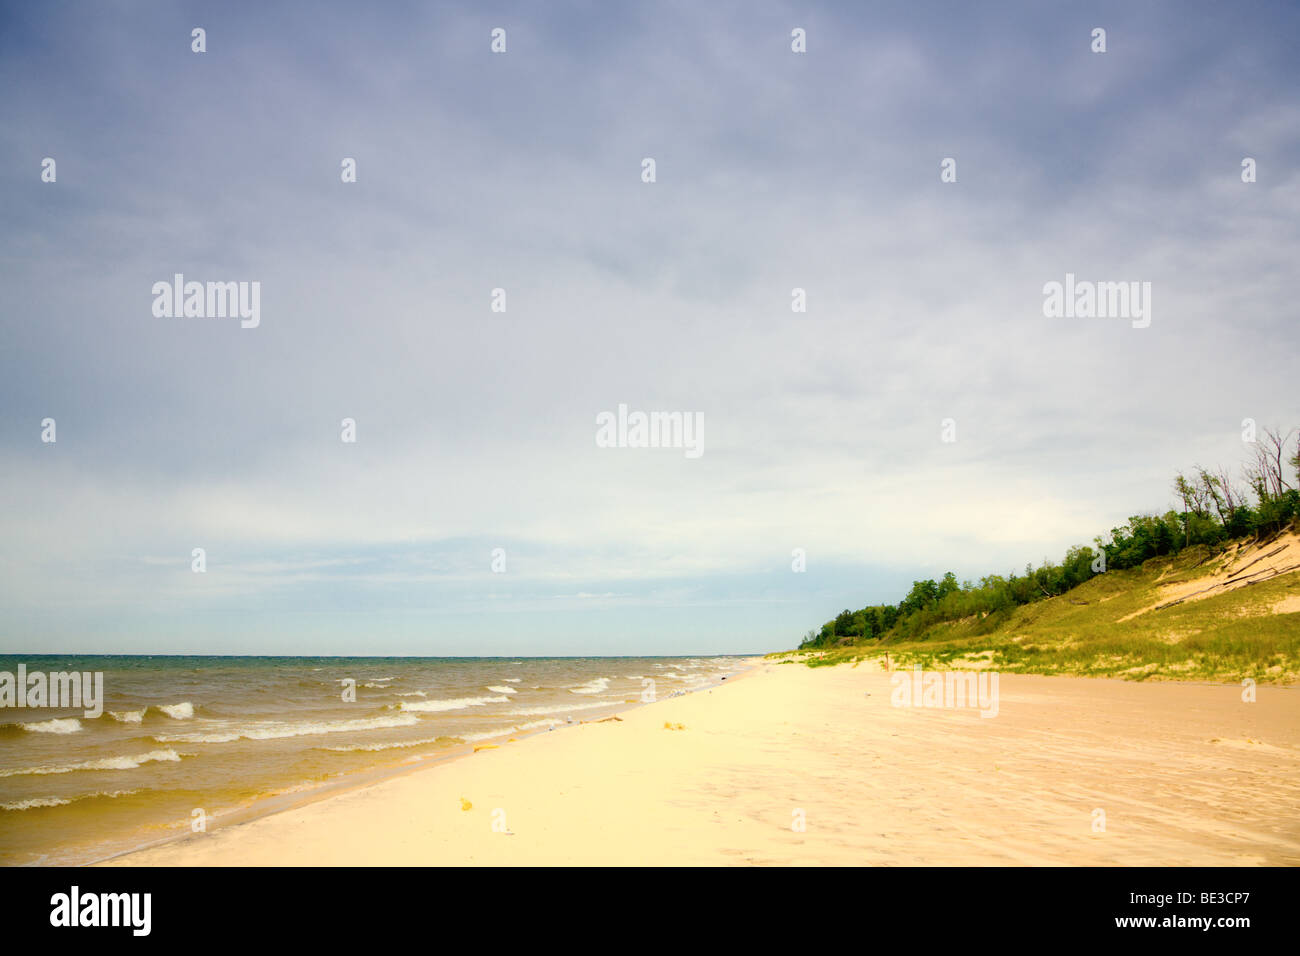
(1239, 566)
(1185, 775)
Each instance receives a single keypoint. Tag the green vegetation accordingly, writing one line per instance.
(1082, 616)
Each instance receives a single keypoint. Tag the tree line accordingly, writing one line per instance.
(1216, 508)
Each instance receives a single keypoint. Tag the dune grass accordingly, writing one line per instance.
(1227, 637)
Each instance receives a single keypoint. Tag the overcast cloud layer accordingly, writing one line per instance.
(522, 171)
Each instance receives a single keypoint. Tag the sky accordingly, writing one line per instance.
(523, 171)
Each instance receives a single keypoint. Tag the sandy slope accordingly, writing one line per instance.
(1238, 567)
(1186, 774)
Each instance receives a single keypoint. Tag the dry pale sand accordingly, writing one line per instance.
(1185, 773)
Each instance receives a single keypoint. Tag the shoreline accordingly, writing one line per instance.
(1178, 774)
(296, 799)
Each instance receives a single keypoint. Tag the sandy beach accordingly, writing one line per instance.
(1186, 774)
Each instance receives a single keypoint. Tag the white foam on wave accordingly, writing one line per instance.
(516, 729)
(181, 711)
(562, 709)
(456, 703)
(278, 730)
(36, 803)
(128, 716)
(105, 763)
(512, 680)
(503, 690)
(595, 686)
(388, 745)
(412, 693)
(59, 725)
